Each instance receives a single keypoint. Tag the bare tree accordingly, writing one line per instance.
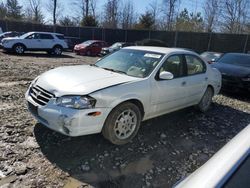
(169, 9)
(235, 13)
(111, 14)
(128, 15)
(34, 11)
(55, 7)
(156, 14)
(211, 13)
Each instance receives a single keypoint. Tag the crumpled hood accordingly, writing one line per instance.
(80, 80)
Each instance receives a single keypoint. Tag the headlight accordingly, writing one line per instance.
(77, 102)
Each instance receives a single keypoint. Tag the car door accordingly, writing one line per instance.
(96, 48)
(33, 41)
(47, 41)
(168, 95)
(197, 78)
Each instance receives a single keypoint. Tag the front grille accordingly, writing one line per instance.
(40, 95)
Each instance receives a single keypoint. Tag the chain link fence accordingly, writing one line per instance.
(199, 42)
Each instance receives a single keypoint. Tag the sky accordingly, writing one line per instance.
(140, 6)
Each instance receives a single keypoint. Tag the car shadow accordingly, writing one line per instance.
(161, 150)
(42, 55)
(242, 96)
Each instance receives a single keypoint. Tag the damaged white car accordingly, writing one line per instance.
(114, 95)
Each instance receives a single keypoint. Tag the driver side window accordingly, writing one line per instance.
(174, 64)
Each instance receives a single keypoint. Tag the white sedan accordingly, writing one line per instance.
(114, 95)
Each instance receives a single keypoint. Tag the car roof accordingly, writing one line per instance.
(163, 50)
(45, 32)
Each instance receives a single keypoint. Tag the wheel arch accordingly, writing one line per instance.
(212, 87)
(59, 45)
(19, 43)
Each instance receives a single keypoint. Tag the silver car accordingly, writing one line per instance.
(114, 95)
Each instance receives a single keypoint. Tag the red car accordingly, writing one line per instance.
(90, 47)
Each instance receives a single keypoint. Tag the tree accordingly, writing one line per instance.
(127, 15)
(234, 14)
(111, 14)
(156, 13)
(89, 21)
(169, 9)
(14, 10)
(189, 22)
(146, 21)
(67, 21)
(34, 12)
(3, 10)
(211, 13)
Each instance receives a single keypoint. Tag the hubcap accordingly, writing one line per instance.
(125, 124)
(57, 51)
(19, 49)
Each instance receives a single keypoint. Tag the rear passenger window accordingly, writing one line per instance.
(194, 65)
(46, 36)
(60, 37)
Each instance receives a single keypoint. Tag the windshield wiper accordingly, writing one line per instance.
(113, 70)
(93, 65)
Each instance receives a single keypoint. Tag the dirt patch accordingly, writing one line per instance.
(165, 150)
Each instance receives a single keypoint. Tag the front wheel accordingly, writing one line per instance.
(19, 49)
(206, 100)
(122, 124)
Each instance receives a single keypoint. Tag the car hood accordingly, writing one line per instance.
(9, 38)
(80, 80)
(232, 70)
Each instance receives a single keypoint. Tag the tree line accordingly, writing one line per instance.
(227, 16)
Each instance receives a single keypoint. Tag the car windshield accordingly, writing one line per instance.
(210, 55)
(236, 59)
(25, 35)
(134, 63)
(88, 42)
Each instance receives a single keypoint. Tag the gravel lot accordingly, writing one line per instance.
(165, 150)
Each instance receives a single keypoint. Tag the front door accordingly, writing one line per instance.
(168, 95)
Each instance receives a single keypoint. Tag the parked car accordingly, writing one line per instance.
(53, 43)
(235, 70)
(211, 57)
(122, 89)
(229, 167)
(10, 34)
(90, 47)
(116, 46)
(72, 41)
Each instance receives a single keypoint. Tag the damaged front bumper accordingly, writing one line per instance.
(68, 121)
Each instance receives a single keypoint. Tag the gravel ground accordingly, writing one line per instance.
(165, 150)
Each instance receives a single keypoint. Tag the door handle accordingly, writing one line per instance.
(183, 83)
(206, 78)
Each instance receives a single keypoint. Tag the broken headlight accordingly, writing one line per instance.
(76, 102)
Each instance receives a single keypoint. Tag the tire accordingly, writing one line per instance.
(19, 48)
(57, 50)
(116, 128)
(206, 100)
(88, 53)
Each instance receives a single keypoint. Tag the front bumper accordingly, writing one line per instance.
(235, 84)
(68, 121)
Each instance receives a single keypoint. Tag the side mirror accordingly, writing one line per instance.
(166, 75)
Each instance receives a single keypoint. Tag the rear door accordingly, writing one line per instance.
(47, 41)
(197, 78)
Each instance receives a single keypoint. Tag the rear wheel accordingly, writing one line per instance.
(88, 53)
(206, 100)
(57, 50)
(122, 124)
(19, 48)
